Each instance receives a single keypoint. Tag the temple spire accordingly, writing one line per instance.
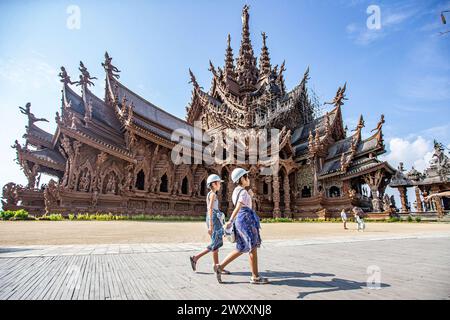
(247, 71)
(264, 60)
(229, 60)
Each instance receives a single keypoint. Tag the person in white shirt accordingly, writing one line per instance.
(246, 227)
(344, 218)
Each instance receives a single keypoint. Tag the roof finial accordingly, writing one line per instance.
(264, 60)
(193, 80)
(246, 64)
(85, 77)
(110, 69)
(229, 60)
(65, 78)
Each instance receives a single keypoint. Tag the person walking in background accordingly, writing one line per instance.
(359, 217)
(246, 226)
(344, 218)
(215, 220)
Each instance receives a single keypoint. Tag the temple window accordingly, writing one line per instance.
(265, 188)
(306, 192)
(164, 185)
(185, 186)
(140, 180)
(335, 192)
(203, 188)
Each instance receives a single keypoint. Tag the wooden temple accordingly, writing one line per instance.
(434, 180)
(113, 154)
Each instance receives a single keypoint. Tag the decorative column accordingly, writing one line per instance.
(287, 196)
(276, 196)
(437, 202)
(418, 200)
(403, 199)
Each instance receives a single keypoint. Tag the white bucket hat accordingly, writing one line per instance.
(237, 174)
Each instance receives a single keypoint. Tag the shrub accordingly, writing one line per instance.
(418, 219)
(55, 217)
(21, 215)
(6, 215)
(71, 216)
(410, 219)
(81, 216)
(394, 219)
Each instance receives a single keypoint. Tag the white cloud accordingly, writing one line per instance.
(32, 71)
(416, 152)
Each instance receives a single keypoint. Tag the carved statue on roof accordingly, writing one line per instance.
(380, 124)
(31, 117)
(340, 97)
(439, 158)
(85, 76)
(193, 79)
(65, 78)
(110, 69)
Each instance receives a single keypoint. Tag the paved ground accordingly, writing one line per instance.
(408, 266)
(129, 232)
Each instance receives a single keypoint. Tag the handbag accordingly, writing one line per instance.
(230, 233)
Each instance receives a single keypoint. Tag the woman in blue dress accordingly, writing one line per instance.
(215, 220)
(246, 227)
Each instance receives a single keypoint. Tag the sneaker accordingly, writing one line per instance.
(193, 263)
(259, 280)
(218, 271)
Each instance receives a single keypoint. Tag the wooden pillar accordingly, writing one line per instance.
(403, 198)
(418, 200)
(276, 196)
(438, 202)
(287, 196)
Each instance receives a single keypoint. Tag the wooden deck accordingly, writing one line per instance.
(410, 268)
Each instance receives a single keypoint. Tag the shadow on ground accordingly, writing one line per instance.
(10, 250)
(297, 279)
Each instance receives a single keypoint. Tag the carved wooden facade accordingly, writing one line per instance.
(114, 154)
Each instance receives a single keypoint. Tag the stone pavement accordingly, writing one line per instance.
(402, 267)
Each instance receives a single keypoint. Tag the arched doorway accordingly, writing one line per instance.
(140, 180)
(164, 183)
(185, 186)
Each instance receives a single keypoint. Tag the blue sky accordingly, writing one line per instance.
(401, 70)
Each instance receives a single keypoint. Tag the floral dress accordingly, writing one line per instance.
(247, 222)
(218, 222)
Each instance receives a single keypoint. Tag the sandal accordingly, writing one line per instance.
(193, 263)
(259, 280)
(218, 271)
(226, 272)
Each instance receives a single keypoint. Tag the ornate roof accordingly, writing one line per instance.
(245, 95)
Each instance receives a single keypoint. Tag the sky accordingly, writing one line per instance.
(399, 69)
